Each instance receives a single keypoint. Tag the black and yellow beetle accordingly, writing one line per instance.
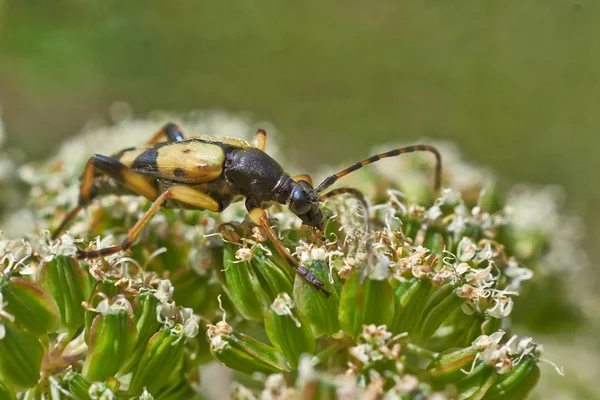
(209, 173)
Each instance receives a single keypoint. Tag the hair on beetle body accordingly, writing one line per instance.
(209, 173)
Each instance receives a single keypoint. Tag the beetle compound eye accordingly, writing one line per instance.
(299, 201)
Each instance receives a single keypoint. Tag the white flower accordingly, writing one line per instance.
(283, 305)
(164, 292)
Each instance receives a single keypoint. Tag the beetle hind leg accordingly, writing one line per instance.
(131, 235)
(170, 131)
(180, 193)
(260, 140)
(114, 169)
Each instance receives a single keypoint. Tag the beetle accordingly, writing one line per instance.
(209, 173)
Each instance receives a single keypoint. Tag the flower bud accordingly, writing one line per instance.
(33, 308)
(410, 298)
(69, 285)
(243, 286)
(440, 305)
(365, 301)
(163, 352)
(289, 330)
(111, 339)
(21, 356)
(321, 311)
(241, 352)
(517, 383)
(104, 289)
(275, 278)
(452, 366)
(5, 394)
(196, 291)
(146, 323)
(78, 386)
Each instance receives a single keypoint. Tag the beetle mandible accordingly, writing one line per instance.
(209, 173)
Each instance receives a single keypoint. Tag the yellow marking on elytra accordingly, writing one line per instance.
(136, 183)
(235, 142)
(192, 162)
(193, 197)
(128, 157)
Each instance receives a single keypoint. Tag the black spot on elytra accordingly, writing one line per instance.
(179, 172)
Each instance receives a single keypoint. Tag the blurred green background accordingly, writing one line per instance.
(516, 84)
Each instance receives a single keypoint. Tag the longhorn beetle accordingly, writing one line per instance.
(208, 173)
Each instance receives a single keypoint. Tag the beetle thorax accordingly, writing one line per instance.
(256, 175)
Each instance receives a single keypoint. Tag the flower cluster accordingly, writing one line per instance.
(422, 287)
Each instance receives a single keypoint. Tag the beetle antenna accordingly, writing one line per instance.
(330, 180)
(360, 197)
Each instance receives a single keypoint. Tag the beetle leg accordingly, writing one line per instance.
(113, 169)
(260, 140)
(193, 197)
(303, 177)
(180, 193)
(259, 217)
(131, 235)
(171, 131)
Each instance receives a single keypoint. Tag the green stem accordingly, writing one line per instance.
(420, 351)
(327, 352)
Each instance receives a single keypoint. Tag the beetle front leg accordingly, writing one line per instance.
(170, 131)
(259, 217)
(303, 177)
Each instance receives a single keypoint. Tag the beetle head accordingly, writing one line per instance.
(304, 202)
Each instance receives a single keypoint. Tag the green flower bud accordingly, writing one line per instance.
(365, 301)
(5, 394)
(321, 311)
(33, 308)
(410, 299)
(275, 278)
(162, 353)
(102, 290)
(289, 330)
(450, 367)
(112, 337)
(78, 386)
(195, 291)
(439, 306)
(21, 356)
(146, 323)
(517, 383)
(69, 285)
(179, 390)
(241, 352)
(243, 286)
(476, 385)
